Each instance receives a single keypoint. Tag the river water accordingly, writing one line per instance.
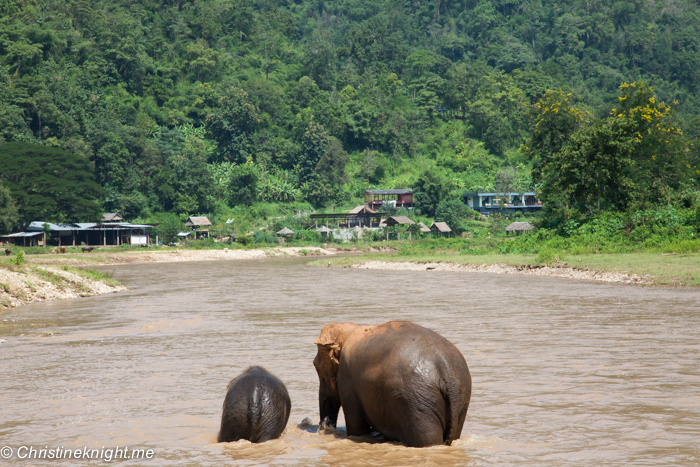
(564, 372)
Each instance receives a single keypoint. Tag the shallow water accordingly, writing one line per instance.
(564, 372)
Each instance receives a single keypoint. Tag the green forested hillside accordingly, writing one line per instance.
(196, 106)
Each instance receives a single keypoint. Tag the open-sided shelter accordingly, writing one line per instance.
(398, 220)
(199, 224)
(518, 227)
(441, 228)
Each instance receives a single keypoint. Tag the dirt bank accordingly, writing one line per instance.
(113, 256)
(22, 285)
(563, 271)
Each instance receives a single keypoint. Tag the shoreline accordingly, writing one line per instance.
(111, 257)
(22, 285)
(53, 277)
(503, 268)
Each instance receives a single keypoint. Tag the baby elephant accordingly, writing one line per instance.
(256, 407)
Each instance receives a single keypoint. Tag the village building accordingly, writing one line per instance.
(40, 233)
(441, 228)
(487, 203)
(374, 199)
(519, 227)
(398, 221)
(111, 217)
(199, 225)
(361, 216)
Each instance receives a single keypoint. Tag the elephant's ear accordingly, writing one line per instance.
(331, 355)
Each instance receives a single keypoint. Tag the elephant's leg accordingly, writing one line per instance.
(420, 429)
(355, 419)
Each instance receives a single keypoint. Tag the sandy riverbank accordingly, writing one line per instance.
(23, 285)
(113, 256)
(44, 277)
(554, 271)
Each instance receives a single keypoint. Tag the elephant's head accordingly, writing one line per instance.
(330, 344)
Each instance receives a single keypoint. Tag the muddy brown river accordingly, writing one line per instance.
(564, 372)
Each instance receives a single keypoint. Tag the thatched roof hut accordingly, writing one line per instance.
(197, 221)
(398, 220)
(111, 217)
(441, 227)
(323, 230)
(361, 210)
(519, 226)
(285, 232)
(423, 228)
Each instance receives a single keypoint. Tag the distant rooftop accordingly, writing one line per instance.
(389, 192)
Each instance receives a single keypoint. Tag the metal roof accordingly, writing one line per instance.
(389, 192)
(528, 193)
(39, 226)
(183, 234)
(23, 234)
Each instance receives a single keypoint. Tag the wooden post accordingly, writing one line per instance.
(73, 231)
(45, 243)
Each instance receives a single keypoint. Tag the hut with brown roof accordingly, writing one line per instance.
(424, 228)
(111, 217)
(518, 227)
(441, 228)
(398, 221)
(198, 224)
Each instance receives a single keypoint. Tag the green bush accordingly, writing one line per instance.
(263, 236)
(18, 259)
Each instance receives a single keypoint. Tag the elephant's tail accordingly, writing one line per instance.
(455, 412)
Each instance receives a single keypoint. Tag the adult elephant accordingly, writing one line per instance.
(405, 381)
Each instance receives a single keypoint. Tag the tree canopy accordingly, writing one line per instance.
(166, 100)
(49, 184)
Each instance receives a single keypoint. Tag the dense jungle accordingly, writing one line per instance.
(160, 109)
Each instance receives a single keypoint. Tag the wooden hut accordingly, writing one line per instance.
(398, 220)
(111, 217)
(441, 228)
(198, 224)
(398, 198)
(424, 228)
(518, 227)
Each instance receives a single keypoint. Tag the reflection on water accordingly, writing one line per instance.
(564, 372)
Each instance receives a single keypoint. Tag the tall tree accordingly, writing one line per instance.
(49, 184)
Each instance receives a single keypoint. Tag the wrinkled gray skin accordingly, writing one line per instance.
(400, 379)
(256, 407)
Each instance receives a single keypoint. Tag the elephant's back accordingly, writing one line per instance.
(256, 408)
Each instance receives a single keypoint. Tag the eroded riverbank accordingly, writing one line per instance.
(23, 285)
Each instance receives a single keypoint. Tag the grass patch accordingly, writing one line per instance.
(59, 281)
(666, 269)
(93, 274)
